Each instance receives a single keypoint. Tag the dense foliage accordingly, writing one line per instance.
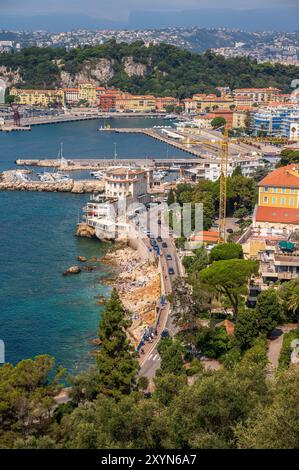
(233, 407)
(288, 157)
(169, 70)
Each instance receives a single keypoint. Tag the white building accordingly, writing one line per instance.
(2, 91)
(210, 169)
(122, 183)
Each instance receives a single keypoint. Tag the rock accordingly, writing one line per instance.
(72, 270)
(96, 341)
(84, 230)
(88, 268)
(82, 259)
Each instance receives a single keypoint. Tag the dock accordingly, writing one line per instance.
(61, 118)
(91, 164)
(204, 144)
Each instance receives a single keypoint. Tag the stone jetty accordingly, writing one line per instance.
(70, 186)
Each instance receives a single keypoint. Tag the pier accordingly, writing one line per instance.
(41, 120)
(202, 144)
(81, 164)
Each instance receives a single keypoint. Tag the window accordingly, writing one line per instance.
(283, 201)
(283, 190)
(291, 201)
(265, 199)
(292, 191)
(273, 200)
(266, 189)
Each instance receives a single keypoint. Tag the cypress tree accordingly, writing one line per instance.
(116, 363)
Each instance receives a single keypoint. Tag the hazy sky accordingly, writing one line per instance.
(120, 9)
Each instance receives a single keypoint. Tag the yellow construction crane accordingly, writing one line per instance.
(224, 142)
(223, 185)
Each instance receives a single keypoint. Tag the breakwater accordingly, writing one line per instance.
(71, 186)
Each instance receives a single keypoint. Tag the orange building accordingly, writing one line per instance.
(163, 102)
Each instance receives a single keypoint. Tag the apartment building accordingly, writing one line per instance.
(257, 95)
(123, 182)
(211, 102)
(281, 121)
(211, 169)
(137, 103)
(87, 92)
(44, 98)
(162, 103)
(278, 201)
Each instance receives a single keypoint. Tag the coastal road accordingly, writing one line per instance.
(150, 362)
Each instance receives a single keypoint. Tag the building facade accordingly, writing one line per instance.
(44, 98)
(122, 183)
(281, 121)
(278, 200)
(257, 95)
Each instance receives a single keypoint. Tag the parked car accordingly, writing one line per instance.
(168, 257)
(170, 271)
(159, 239)
(165, 333)
(164, 245)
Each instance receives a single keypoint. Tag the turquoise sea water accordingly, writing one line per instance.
(41, 311)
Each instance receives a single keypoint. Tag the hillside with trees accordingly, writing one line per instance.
(162, 70)
(234, 407)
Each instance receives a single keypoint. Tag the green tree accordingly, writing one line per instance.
(170, 197)
(218, 122)
(275, 426)
(117, 366)
(288, 294)
(267, 311)
(171, 352)
(229, 277)
(27, 393)
(247, 328)
(225, 251)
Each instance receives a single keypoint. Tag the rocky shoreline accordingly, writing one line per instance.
(138, 285)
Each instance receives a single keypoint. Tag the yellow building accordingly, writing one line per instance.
(87, 92)
(142, 104)
(278, 203)
(239, 119)
(44, 98)
(212, 102)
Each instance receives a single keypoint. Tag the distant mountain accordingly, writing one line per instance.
(279, 19)
(56, 23)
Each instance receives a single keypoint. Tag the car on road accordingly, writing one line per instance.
(168, 257)
(230, 230)
(164, 245)
(170, 270)
(165, 333)
(159, 239)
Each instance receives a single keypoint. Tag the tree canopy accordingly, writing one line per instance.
(229, 277)
(169, 70)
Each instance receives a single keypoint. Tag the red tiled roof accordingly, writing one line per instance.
(206, 236)
(277, 214)
(282, 177)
